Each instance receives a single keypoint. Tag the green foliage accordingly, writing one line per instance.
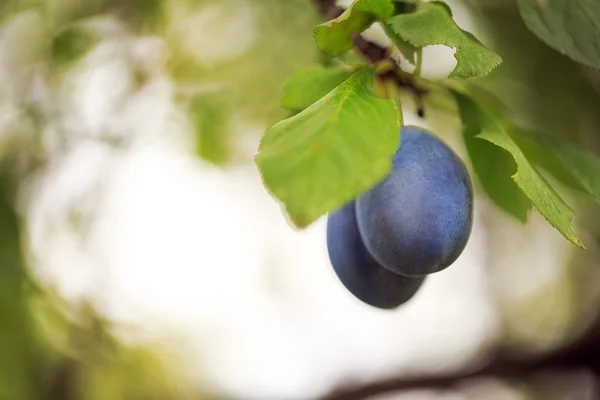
(210, 116)
(407, 50)
(575, 167)
(431, 24)
(317, 160)
(493, 165)
(249, 81)
(69, 44)
(337, 145)
(321, 158)
(529, 180)
(570, 27)
(149, 14)
(17, 345)
(494, 168)
(45, 355)
(334, 37)
(309, 85)
(299, 169)
(122, 373)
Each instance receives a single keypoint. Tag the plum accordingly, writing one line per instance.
(418, 219)
(358, 271)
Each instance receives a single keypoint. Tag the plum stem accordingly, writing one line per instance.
(419, 65)
(391, 89)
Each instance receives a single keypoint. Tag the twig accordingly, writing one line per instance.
(583, 352)
(506, 370)
(375, 54)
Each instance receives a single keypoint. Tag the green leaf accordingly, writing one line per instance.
(70, 44)
(571, 165)
(248, 80)
(309, 85)
(432, 24)
(333, 151)
(21, 354)
(529, 180)
(335, 37)
(210, 116)
(494, 168)
(407, 50)
(572, 27)
(492, 165)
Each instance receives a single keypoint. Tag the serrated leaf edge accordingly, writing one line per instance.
(572, 236)
(298, 220)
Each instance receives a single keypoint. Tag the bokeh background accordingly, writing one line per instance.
(141, 258)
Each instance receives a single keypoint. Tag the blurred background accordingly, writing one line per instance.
(141, 258)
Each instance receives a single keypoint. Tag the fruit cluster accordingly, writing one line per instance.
(415, 222)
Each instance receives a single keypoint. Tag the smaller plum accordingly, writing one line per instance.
(356, 268)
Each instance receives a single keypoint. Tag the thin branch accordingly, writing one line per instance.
(511, 371)
(375, 54)
(583, 352)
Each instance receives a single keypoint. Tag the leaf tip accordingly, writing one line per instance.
(575, 240)
(299, 220)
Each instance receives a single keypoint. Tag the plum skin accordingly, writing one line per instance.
(418, 220)
(358, 271)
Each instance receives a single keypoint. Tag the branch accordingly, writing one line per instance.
(375, 54)
(501, 370)
(583, 352)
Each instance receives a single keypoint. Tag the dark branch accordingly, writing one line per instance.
(582, 353)
(328, 9)
(511, 371)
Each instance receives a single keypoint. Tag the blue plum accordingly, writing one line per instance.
(418, 220)
(358, 271)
